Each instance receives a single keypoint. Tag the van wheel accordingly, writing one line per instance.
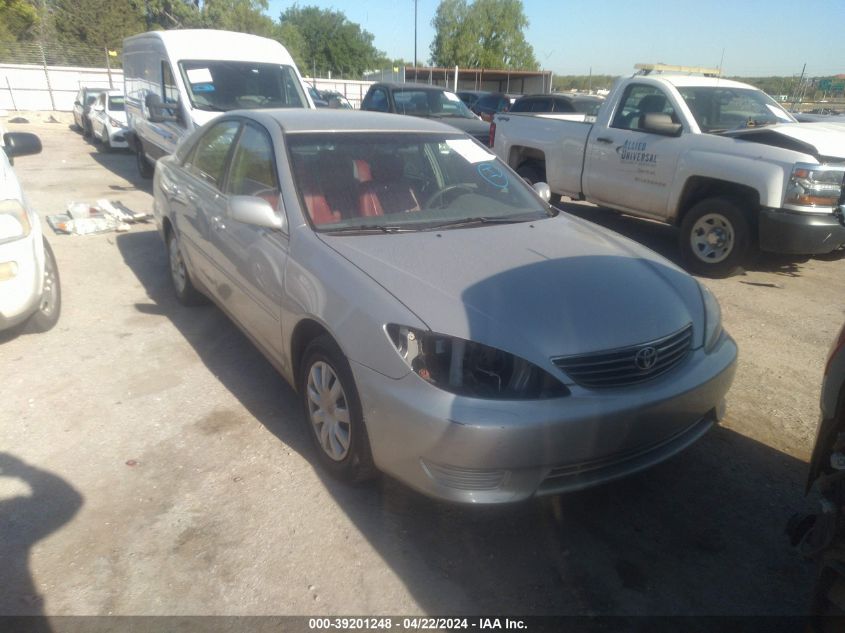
(145, 167)
(50, 304)
(715, 238)
(333, 412)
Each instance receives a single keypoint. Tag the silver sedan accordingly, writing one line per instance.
(440, 321)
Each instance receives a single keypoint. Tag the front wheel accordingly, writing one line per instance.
(50, 305)
(715, 237)
(145, 167)
(333, 411)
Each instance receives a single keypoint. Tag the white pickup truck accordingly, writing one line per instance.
(718, 158)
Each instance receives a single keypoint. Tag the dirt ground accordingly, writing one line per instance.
(152, 462)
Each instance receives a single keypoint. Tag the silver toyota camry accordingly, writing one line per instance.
(441, 322)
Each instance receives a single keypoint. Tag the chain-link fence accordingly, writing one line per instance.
(58, 54)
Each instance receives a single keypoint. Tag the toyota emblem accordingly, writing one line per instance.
(645, 358)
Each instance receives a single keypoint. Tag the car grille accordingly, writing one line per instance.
(629, 365)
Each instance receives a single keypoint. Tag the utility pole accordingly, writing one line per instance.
(415, 39)
(800, 84)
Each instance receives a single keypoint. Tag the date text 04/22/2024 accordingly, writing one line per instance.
(415, 623)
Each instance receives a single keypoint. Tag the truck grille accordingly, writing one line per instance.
(629, 365)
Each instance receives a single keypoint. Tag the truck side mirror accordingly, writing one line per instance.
(158, 111)
(660, 123)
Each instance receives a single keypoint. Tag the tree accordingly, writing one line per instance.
(245, 16)
(172, 14)
(100, 24)
(330, 42)
(18, 22)
(484, 34)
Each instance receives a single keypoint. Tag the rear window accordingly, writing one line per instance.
(116, 103)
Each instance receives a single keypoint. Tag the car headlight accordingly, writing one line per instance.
(814, 186)
(712, 318)
(14, 222)
(471, 369)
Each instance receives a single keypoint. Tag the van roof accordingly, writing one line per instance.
(213, 44)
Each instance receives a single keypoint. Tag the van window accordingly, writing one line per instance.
(220, 86)
(169, 91)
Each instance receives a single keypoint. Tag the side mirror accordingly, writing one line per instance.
(158, 111)
(21, 144)
(255, 211)
(660, 123)
(543, 190)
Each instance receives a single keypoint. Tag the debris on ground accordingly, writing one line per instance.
(18, 119)
(105, 216)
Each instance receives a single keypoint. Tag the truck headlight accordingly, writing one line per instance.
(471, 369)
(14, 222)
(814, 186)
(712, 318)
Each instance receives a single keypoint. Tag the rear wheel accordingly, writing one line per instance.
(715, 237)
(333, 411)
(186, 292)
(50, 305)
(145, 167)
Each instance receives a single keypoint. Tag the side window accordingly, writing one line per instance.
(639, 100)
(253, 171)
(541, 105)
(170, 94)
(378, 101)
(209, 159)
(523, 105)
(563, 106)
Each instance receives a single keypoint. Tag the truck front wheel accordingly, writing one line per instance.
(715, 237)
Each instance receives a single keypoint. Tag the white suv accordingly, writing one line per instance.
(29, 277)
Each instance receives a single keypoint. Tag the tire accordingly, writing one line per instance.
(145, 168)
(532, 173)
(86, 129)
(326, 385)
(715, 238)
(50, 304)
(183, 287)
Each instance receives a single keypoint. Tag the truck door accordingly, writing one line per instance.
(160, 138)
(627, 167)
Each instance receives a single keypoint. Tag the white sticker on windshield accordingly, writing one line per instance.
(469, 150)
(451, 96)
(783, 116)
(199, 75)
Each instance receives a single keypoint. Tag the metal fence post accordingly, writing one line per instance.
(47, 75)
(11, 94)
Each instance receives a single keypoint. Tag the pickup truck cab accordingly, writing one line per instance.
(719, 159)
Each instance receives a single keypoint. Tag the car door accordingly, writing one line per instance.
(199, 191)
(253, 257)
(630, 168)
(97, 116)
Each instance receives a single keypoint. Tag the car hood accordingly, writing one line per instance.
(554, 287)
(119, 116)
(828, 139)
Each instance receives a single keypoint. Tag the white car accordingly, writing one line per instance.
(29, 278)
(108, 119)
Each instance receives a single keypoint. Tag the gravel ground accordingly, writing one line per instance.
(152, 462)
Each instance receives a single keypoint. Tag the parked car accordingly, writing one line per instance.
(719, 159)
(587, 105)
(425, 101)
(469, 97)
(317, 98)
(438, 318)
(107, 119)
(491, 104)
(175, 81)
(336, 100)
(30, 292)
(820, 536)
(81, 106)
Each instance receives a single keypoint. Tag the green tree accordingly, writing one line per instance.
(330, 42)
(97, 24)
(172, 14)
(484, 34)
(245, 16)
(18, 23)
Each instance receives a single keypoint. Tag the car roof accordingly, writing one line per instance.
(294, 120)
(567, 97)
(680, 81)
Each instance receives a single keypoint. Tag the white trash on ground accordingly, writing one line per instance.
(105, 216)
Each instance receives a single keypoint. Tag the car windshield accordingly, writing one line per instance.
(359, 182)
(430, 103)
(116, 103)
(718, 109)
(220, 86)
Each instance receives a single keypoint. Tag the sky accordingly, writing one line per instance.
(756, 37)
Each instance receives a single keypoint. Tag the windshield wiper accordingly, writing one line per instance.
(482, 219)
(371, 228)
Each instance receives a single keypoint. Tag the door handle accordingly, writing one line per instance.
(604, 139)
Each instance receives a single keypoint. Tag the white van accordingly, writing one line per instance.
(176, 81)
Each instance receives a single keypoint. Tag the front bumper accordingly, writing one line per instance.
(793, 232)
(481, 451)
(117, 137)
(20, 281)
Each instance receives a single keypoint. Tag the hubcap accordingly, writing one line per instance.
(48, 294)
(712, 238)
(328, 410)
(177, 266)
